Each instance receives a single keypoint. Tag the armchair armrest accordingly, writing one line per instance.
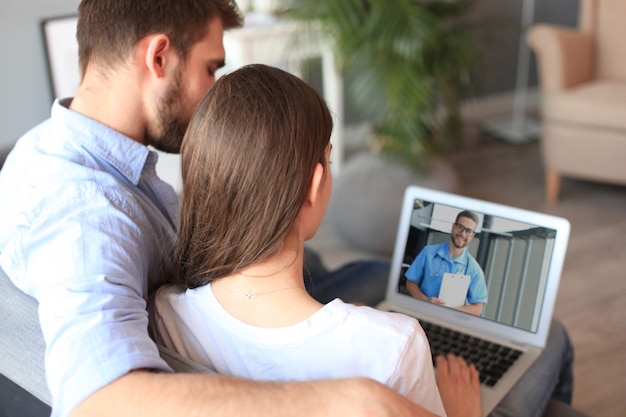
(564, 56)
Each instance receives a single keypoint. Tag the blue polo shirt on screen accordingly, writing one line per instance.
(433, 261)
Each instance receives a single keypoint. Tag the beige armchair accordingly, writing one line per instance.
(582, 74)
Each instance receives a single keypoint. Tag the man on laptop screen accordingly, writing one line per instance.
(447, 269)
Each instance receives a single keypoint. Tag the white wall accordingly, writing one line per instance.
(25, 96)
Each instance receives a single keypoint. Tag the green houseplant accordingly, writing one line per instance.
(414, 61)
(409, 64)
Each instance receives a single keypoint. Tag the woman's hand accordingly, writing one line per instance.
(459, 386)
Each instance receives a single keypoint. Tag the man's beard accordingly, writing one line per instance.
(169, 130)
(460, 245)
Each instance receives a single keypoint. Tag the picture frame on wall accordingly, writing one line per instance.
(61, 49)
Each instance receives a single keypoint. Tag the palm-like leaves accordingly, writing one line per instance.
(416, 55)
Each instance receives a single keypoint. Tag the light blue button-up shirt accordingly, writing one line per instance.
(433, 261)
(86, 227)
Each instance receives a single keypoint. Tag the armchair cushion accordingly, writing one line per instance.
(597, 104)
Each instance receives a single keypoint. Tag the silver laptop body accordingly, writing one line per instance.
(521, 253)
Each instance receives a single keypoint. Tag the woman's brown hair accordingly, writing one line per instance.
(107, 30)
(247, 162)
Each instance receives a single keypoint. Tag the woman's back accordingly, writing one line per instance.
(339, 340)
(256, 185)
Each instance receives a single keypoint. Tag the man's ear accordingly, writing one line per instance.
(316, 184)
(159, 53)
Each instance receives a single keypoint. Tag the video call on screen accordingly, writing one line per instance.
(514, 258)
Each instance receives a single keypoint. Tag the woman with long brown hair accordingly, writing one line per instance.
(256, 184)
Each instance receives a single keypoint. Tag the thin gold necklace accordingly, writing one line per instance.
(253, 294)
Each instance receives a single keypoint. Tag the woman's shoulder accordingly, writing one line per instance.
(375, 331)
(382, 321)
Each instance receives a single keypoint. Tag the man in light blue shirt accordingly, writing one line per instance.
(425, 275)
(86, 226)
(87, 216)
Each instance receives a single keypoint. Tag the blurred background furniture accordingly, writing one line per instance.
(582, 75)
(518, 128)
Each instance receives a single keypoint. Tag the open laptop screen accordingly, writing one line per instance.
(507, 258)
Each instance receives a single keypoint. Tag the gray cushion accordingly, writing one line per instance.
(21, 345)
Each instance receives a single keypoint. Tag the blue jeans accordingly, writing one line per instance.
(550, 378)
(357, 282)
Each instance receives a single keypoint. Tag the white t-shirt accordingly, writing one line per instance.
(339, 340)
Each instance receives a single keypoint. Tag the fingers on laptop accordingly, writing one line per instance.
(458, 386)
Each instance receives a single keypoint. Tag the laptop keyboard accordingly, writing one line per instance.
(491, 359)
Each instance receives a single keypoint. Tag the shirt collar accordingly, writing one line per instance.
(444, 252)
(123, 153)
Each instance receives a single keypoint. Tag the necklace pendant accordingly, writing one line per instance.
(250, 294)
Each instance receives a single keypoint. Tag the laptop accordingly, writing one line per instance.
(521, 253)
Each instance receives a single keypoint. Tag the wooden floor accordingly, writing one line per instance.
(592, 294)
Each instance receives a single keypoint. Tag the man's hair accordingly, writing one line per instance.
(107, 30)
(248, 159)
(469, 214)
